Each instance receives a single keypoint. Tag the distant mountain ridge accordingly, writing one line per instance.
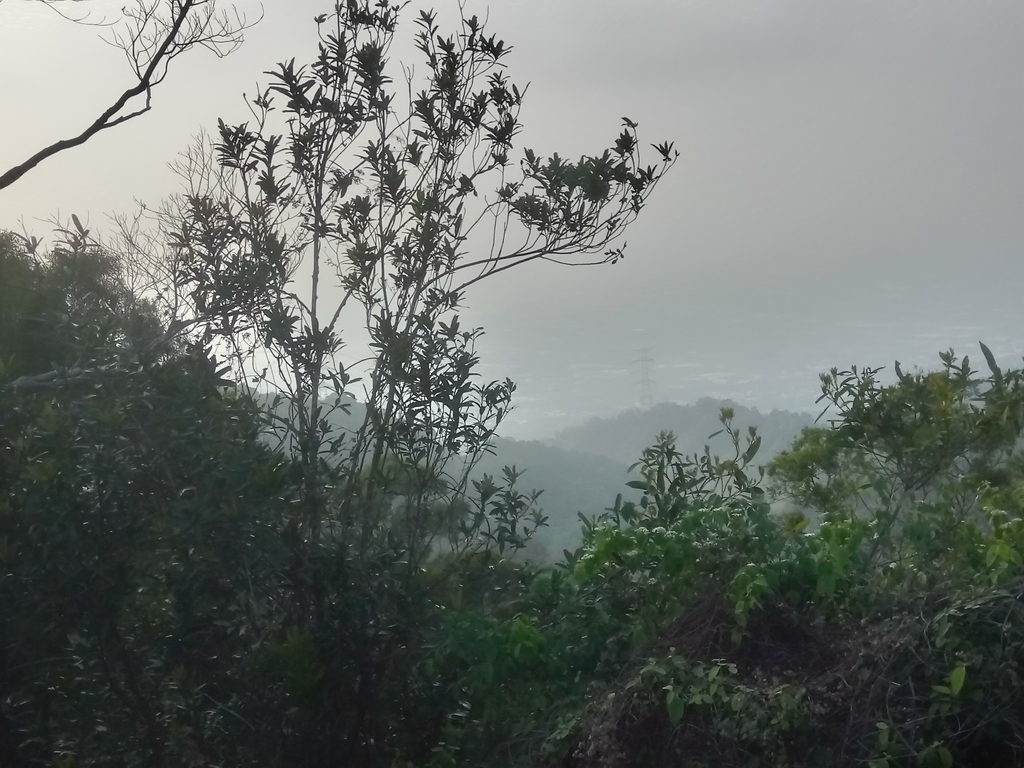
(622, 438)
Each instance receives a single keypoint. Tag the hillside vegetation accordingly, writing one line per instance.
(583, 469)
(577, 471)
(148, 581)
(195, 573)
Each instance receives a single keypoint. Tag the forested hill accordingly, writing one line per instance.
(583, 468)
(572, 482)
(623, 437)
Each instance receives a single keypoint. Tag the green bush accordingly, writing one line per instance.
(880, 625)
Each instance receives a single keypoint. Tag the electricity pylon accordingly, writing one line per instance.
(645, 378)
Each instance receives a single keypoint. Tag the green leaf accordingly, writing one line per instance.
(883, 734)
(826, 585)
(752, 450)
(997, 375)
(956, 680)
(945, 757)
(675, 707)
(992, 554)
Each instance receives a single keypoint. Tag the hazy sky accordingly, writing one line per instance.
(850, 188)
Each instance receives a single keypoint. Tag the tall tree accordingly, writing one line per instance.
(393, 207)
(361, 191)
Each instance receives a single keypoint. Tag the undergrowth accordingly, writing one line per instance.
(880, 625)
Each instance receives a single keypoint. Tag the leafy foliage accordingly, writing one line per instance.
(926, 470)
(165, 606)
(65, 308)
(699, 627)
(138, 542)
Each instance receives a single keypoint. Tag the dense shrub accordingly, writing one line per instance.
(700, 628)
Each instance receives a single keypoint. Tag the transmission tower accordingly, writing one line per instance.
(645, 378)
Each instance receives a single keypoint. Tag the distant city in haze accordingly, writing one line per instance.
(762, 348)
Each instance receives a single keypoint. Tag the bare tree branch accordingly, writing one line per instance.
(55, 6)
(156, 32)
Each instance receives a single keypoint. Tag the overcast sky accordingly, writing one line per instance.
(850, 188)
